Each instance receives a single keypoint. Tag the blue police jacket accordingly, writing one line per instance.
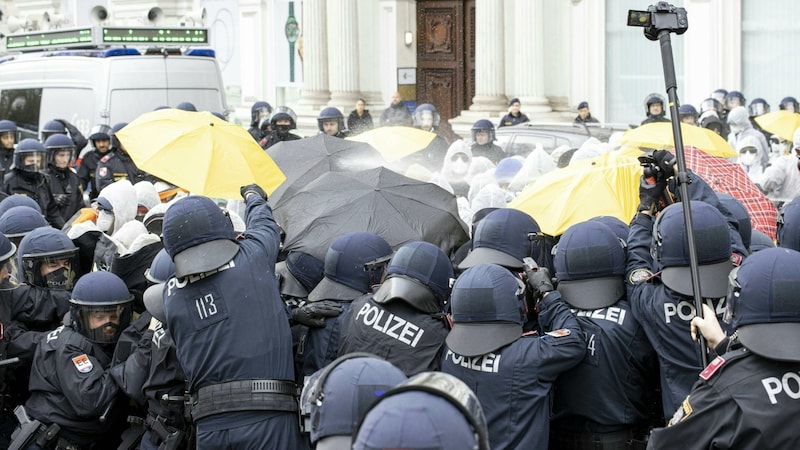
(666, 316)
(232, 325)
(513, 383)
(322, 345)
(612, 388)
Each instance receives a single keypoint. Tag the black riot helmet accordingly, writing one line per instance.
(654, 98)
(47, 258)
(59, 143)
(757, 107)
(734, 99)
(419, 274)
(789, 104)
(99, 132)
(282, 113)
(719, 95)
(9, 127)
(711, 104)
(101, 307)
(330, 114)
(687, 110)
(258, 112)
(426, 117)
(27, 149)
(483, 125)
(115, 145)
(52, 127)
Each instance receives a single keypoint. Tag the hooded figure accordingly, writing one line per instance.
(739, 122)
(455, 169)
(750, 157)
(536, 164)
(781, 180)
(116, 205)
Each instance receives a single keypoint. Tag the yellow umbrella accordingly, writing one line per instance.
(658, 135)
(603, 186)
(199, 152)
(782, 123)
(394, 143)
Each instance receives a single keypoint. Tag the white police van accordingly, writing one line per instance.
(106, 75)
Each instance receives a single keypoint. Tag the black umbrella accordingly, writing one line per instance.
(395, 207)
(304, 160)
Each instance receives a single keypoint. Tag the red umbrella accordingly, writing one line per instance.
(727, 177)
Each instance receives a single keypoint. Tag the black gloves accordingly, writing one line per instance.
(314, 314)
(539, 282)
(254, 189)
(62, 200)
(650, 194)
(666, 163)
(75, 134)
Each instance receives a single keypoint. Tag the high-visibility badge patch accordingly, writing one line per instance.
(82, 363)
(102, 171)
(639, 275)
(559, 333)
(712, 368)
(682, 413)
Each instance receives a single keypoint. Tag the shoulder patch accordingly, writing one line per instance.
(105, 158)
(102, 171)
(682, 413)
(736, 259)
(83, 363)
(712, 368)
(639, 275)
(559, 333)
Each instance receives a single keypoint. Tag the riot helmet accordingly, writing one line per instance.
(687, 110)
(161, 269)
(763, 306)
(758, 107)
(719, 95)
(100, 132)
(789, 104)
(18, 221)
(101, 307)
(186, 106)
(483, 125)
(52, 127)
(258, 112)
(9, 134)
(47, 258)
(419, 274)
(426, 117)
(710, 120)
(429, 410)
(654, 99)
(283, 113)
(30, 156)
(115, 144)
(353, 264)
(739, 212)
(7, 251)
(734, 99)
(60, 151)
(331, 114)
(711, 104)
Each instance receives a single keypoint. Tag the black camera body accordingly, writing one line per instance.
(659, 17)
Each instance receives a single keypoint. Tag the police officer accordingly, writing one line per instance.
(335, 397)
(606, 400)
(516, 117)
(8, 139)
(70, 385)
(511, 373)
(331, 122)
(61, 126)
(660, 287)
(100, 141)
(64, 182)
(229, 324)
(688, 114)
(789, 104)
(654, 109)
(427, 118)
(27, 178)
(117, 164)
(745, 396)
(430, 410)
(345, 279)
(404, 320)
(280, 125)
(483, 142)
(259, 112)
(7, 422)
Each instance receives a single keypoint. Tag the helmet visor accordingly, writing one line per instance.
(103, 324)
(732, 300)
(53, 271)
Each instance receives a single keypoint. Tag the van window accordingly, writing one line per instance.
(22, 106)
(75, 105)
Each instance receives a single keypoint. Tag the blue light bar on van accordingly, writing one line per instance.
(210, 53)
(77, 37)
(95, 37)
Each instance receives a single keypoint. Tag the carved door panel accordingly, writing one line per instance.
(446, 57)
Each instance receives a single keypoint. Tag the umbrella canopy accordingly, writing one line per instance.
(304, 160)
(603, 186)
(395, 143)
(782, 123)
(729, 178)
(658, 135)
(198, 152)
(395, 207)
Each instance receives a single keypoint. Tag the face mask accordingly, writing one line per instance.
(105, 220)
(747, 158)
(459, 167)
(58, 279)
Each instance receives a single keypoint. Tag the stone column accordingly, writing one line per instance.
(489, 57)
(528, 59)
(315, 93)
(343, 51)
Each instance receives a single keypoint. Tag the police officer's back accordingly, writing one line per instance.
(404, 320)
(70, 384)
(229, 324)
(607, 399)
(660, 289)
(511, 374)
(345, 279)
(747, 397)
(27, 178)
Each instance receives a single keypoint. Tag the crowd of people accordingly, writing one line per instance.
(137, 315)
